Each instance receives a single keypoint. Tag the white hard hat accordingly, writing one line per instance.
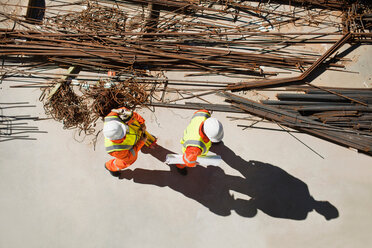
(213, 129)
(114, 130)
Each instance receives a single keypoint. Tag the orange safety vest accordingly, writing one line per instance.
(131, 138)
(191, 135)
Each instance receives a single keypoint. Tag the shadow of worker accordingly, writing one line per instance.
(272, 190)
(207, 185)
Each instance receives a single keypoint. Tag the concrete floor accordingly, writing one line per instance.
(54, 191)
(270, 190)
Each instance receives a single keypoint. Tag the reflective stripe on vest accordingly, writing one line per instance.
(197, 143)
(191, 136)
(130, 140)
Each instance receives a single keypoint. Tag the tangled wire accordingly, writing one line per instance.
(67, 107)
(82, 111)
(129, 94)
(96, 18)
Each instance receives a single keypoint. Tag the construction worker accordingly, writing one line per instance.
(125, 134)
(198, 137)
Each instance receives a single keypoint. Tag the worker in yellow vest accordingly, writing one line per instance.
(198, 137)
(125, 134)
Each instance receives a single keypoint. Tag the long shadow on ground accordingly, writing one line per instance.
(271, 189)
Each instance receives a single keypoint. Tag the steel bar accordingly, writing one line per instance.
(303, 76)
(303, 103)
(266, 128)
(197, 106)
(361, 143)
(323, 97)
(334, 108)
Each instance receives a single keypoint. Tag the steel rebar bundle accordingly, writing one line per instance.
(82, 111)
(67, 107)
(137, 38)
(129, 94)
(210, 36)
(329, 108)
(362, 141)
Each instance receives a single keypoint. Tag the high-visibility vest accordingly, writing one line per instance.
(191, 136)
(131, 138)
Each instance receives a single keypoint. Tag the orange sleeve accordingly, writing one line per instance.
(126, 157)
(137, 117)
(191, 155)
(112, 114)
(193, 151)
(138, 146)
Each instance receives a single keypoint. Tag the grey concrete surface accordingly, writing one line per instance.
(54, 191)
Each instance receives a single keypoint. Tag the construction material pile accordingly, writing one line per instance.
(345, 108)
(360, 140)
(129, 94)
(225, 38)
(82, 111)
(67, 107)
(95, 19)
(252, 41)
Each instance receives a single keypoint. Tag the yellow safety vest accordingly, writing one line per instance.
(191, 136)
(131, 138)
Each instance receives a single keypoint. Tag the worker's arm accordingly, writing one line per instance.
(126, 156)
(140, 143)
(190, 156)
(138, 118)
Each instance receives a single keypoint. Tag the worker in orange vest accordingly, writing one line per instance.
(125, 134)
(198, 137)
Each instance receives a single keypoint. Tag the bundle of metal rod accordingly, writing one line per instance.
(325, 4)
(301, 78)
(213, 10)
(206, 38)
(121, 55)
(67, 107)
(196, 106)
(211, 14)
(209, 36)
(190, 4)
(362, 141)
(128, 94)
(333, 109)
(16, 127)
(82, 111)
